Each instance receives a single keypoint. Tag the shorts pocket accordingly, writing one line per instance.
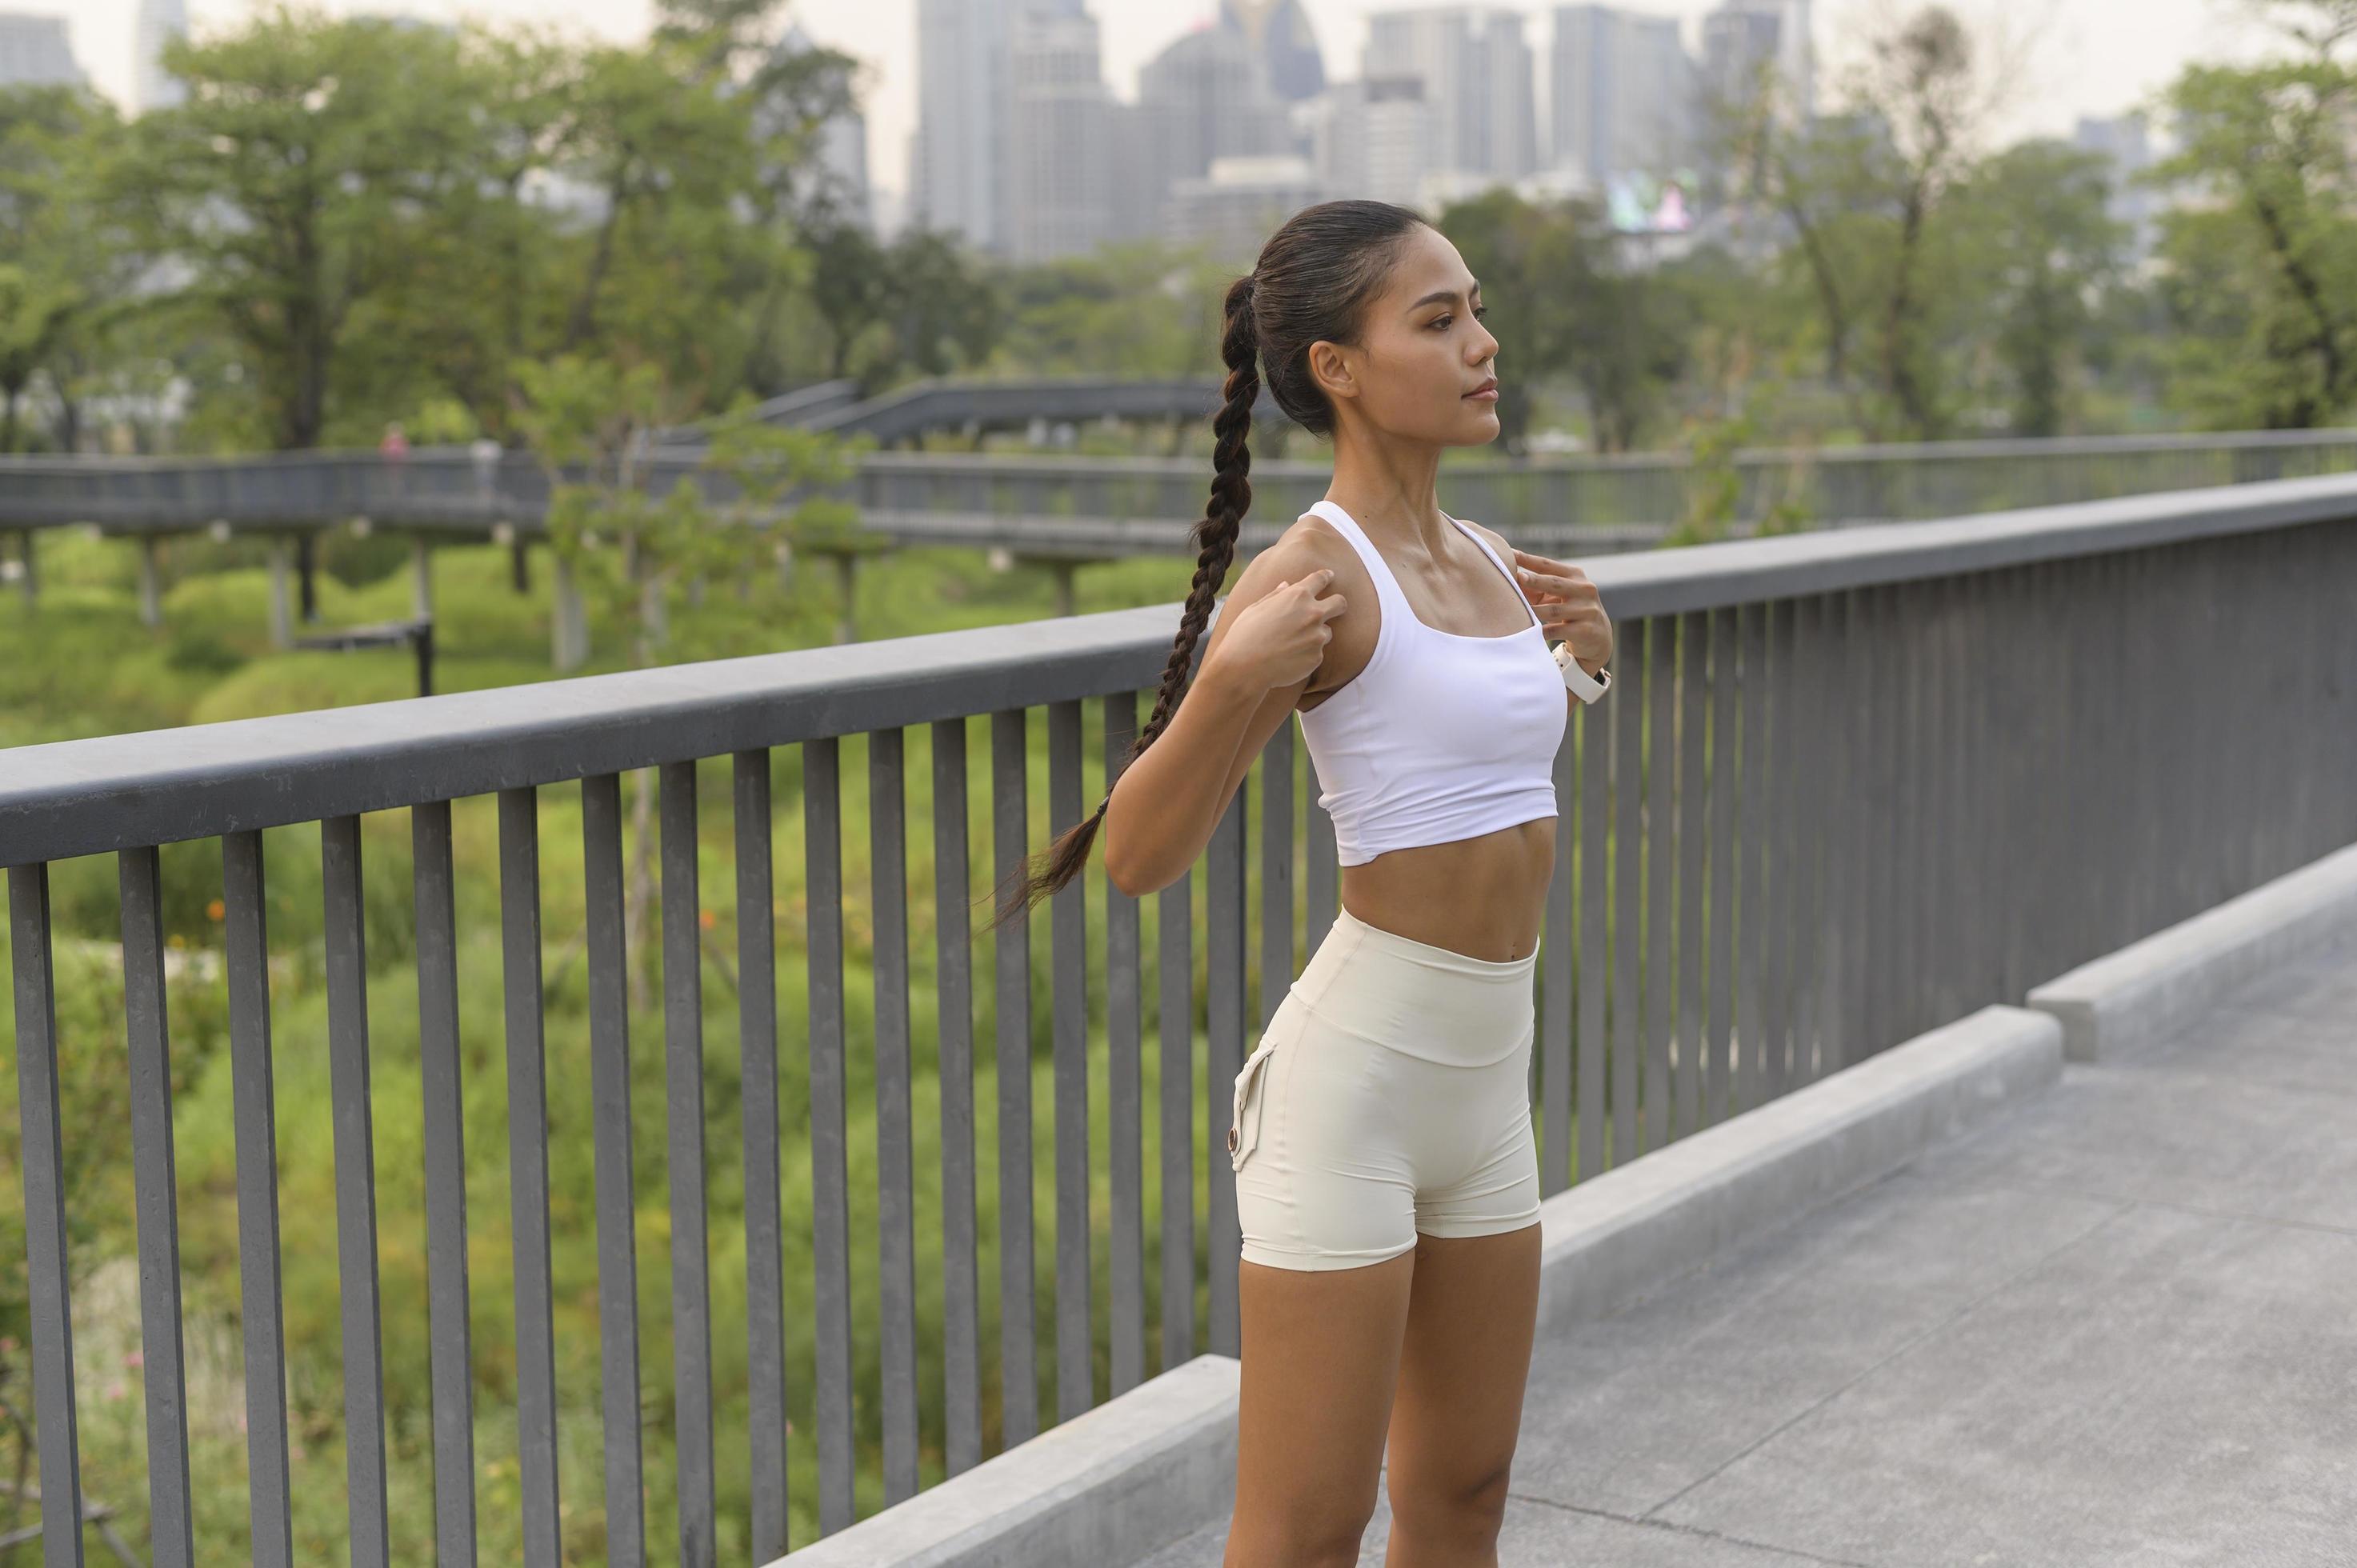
(1250, 1103)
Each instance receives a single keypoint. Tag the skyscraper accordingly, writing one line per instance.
(1278, 30)
(34, 52)
(1781, 26)
(1740, 50)
(1373, 139)
(1622, 94)
(1207, 96)
(1062, 133)
(957, 159)
(159, 22)
(1476, 69)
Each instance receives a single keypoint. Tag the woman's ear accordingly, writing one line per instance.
(1330, 365)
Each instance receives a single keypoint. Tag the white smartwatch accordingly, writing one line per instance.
(1583, 686)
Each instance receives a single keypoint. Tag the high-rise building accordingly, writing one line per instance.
(1278, 30)
(1207, 96)
(1062, 133)
(1475, 69)
(1622, 94)
(1780, 27)
(1233, 206)
(160, 21)
(957, 159)
(1373, 139)
(1739, 56)
(34, 52)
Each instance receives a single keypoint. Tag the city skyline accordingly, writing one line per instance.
(2085, 65)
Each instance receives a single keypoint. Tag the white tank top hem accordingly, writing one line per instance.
(1443, 735)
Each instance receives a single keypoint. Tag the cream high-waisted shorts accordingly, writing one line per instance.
(1390, 1094)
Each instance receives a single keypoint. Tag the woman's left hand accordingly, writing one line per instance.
(1568, 606)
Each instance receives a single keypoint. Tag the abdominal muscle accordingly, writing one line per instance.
(1482, 897)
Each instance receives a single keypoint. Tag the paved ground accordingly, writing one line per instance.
(2117, 1327)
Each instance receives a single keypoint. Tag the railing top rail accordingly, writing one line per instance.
(86, 797)
(671, 454)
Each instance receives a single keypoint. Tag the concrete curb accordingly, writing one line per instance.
(1618, 1236)
(2140, 989)
(1113, 1485)
(1132, 1475)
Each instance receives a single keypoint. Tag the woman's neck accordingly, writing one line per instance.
(1390, 488)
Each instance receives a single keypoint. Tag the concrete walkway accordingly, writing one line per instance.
(2119, 1327)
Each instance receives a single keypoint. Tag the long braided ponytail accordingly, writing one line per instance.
(1313, 278)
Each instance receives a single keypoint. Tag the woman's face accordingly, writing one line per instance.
(1424, 368)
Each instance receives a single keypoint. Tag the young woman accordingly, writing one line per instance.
(1387, 1180)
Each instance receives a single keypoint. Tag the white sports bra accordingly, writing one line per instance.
(1442, 737)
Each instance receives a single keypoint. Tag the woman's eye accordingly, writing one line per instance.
(1480, 313)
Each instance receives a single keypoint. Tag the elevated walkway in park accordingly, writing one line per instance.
(2103, 1319)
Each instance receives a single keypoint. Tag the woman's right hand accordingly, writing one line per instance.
(1280, 638)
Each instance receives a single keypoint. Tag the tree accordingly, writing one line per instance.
(2261, 264)
(308, 156)
(2042, 251)
(1867, 196)
(1562, 306)
(65, 267)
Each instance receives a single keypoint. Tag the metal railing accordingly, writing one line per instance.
(449, 490)
(1848, 786)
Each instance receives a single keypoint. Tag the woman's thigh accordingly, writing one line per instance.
(1321, 1347)
(1465, 1358)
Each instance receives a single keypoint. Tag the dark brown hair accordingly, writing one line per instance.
(1312, 281)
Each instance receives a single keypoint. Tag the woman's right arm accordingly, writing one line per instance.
(1166, 805)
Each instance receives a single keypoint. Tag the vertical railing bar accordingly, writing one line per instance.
(1596, 725)
(57, 1435)
(1323, 881)
(1954, 670)
(1628, 881)
(609, 1114)
(1661, 866)
(1011, 828)
(246, 953)
(519, 961)
(348, 1063)
(1904, 871)
(683, 1162)
(1558, 957)
(1869, 727)
(1224, 923)
(895, 1181)
(1067, 947)
(1694, 833)
(163, 1371)
(1780, 815)
(1750, 1026)
(1724, 788)
(1125, 1091)
(1813, 783)
(830, 1158)
(953, 962)
(1277, 786)
(1175, 958)
(442, 1093)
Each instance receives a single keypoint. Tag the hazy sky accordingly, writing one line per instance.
(2091, 57)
